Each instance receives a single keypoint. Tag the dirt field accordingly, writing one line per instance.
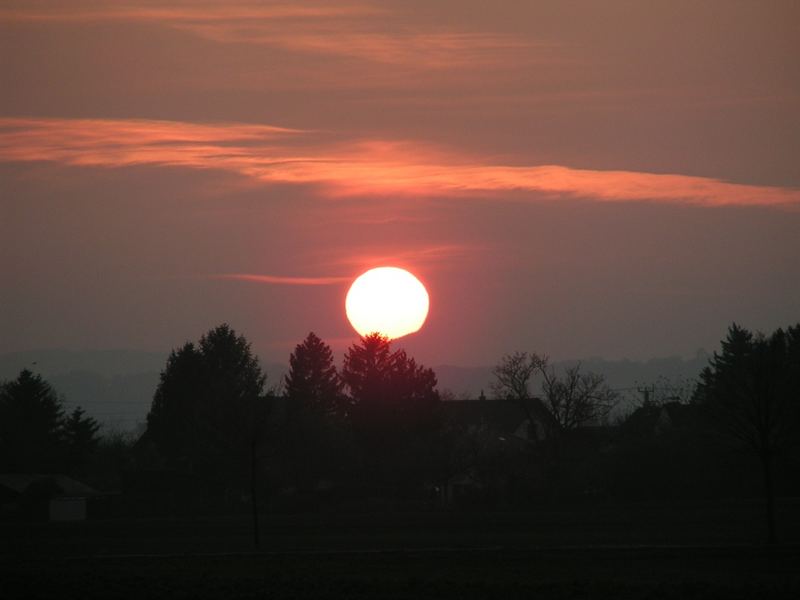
(489, 573)
(610, 552)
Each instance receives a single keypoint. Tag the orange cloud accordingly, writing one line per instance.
(436, 50)
(363, 30)
(177, 11)
(269, 154)
(129, 142)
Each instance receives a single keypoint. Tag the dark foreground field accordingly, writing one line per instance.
(452, 573)
(631, 552)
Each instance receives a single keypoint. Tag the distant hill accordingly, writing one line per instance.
(626, 376)
(116, 386)
(105, 362)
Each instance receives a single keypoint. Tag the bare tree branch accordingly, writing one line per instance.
(513, 374)
(576, 398)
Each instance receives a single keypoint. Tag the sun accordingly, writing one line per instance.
(387, 300)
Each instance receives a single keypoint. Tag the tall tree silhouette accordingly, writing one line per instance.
(313, 381)
(80, 435)
(176, 414)
(31, 425)
(387, 385)
(393, 405)
(205, 406)
(35, 434)
(750, 391)
(367, 370)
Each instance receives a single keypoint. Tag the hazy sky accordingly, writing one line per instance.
(610, 178)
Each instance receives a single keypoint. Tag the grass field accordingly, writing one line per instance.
(606, 552)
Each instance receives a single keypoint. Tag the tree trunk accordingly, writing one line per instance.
(254, 501)
(769, 497)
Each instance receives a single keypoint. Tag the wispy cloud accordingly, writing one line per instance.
(419, 50)
(281, 280)
(403, 257)
(194, 11)
(267, 154)
(366, 31)
(130, 142)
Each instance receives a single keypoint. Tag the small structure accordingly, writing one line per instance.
(519, 420)
(67, 508)
(460, 487)
(654, 419)
(502, 442)
(54, 497)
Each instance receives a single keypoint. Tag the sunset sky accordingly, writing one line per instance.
(617, 179)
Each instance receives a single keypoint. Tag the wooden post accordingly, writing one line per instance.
(253, 498)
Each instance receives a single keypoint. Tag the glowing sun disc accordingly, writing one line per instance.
(387, 300)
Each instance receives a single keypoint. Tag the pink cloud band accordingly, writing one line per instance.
(356, 30)
(269, 155)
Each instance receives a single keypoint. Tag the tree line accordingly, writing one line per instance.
(378, 427)
(37, 434)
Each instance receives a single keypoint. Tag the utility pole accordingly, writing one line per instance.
(646, 393)
(256, 427)
(253, 491)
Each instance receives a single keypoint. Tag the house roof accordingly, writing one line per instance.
(504, 416)
(66, 486)
(656, 418)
